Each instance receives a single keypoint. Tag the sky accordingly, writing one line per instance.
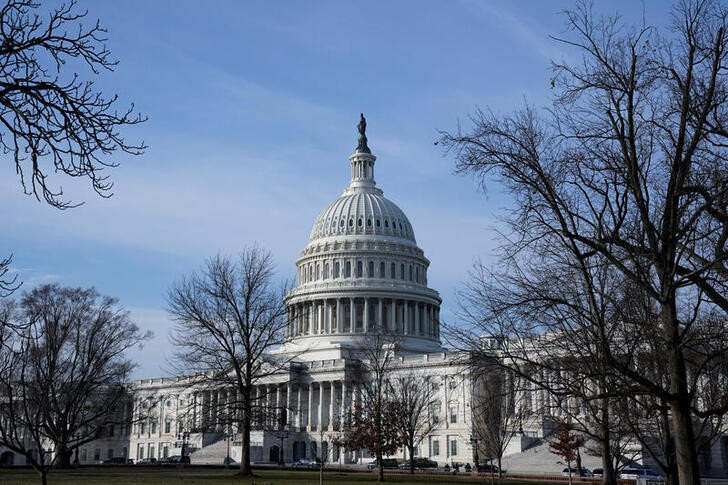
(252, 110)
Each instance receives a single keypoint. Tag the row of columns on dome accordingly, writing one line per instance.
(317, 406)
(331, 316)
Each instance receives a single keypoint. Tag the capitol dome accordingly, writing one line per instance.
(361, 272)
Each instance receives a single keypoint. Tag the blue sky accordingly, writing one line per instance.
(252, 111)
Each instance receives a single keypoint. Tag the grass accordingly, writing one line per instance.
(212, 476)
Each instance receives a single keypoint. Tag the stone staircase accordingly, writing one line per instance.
(538, 459)
(212, 454)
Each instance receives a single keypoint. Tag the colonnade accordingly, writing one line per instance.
(363, 315)
(314, 406)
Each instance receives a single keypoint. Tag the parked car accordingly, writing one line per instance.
(574, 472)
(119, 460)
(179, 459)
(165, 460)
(488, 468)
(633, 473)
(387, 464)
(598, 472)
(307, 464)
(147, 461)
(420, 463)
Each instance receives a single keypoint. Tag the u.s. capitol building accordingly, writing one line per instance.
(362, 272)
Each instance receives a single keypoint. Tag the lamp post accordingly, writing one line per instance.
(476, 457)
(282, 434)
(184, 436)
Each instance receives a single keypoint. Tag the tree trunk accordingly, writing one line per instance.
(682, 424)
(44, 477)
(245, 469)
(609, 477)
(412, 458)
(500, 467)
(380, 475)
(668, 448)
(64, 457)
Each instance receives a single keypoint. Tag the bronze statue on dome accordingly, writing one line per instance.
(362, 127)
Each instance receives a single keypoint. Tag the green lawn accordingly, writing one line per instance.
(210, 476)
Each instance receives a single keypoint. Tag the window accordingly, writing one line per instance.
(141, 427)
(435, 447)
(154, 426)
(386, 223)
(410, 271)
(347, 272)
(454, 447)
(97, 454)
(359, 223)
(393, 271)
(377, 222)
(359, 269)
(435, 413)
(110, 453)
(336, 269)
(351, 222)
(453, 414)
(318, 271)
(83, 454)
(417, 274)
(381, 270)
(168, 424)
(370, 270)
(326, 271)
(401, 271)
(369, 223)
(111, 430)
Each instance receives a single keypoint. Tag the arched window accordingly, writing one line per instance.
(386, 223)
(381, 270)
(351, 222)
(410, 272)
(370, 272)
(336, 269)
(347, 271)
(359, 223)
(359, 270)
(393, 271)
(377, 222)
(326, 271)
(369, 223)
(318, 271)
(401, 271)
(341, 224)
(417, 274)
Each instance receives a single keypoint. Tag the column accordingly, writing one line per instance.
(405, 317)
(392, 315)
(342, 406)
(332, 396)
(418, 330)
(311, 308)
(289, 409)
(326, 320)
(279, 403)
(299, 413)
(352, 316)
(309, 412)
(338, 315)
(429, 320)
(320, 423)
(365, 316)
(380, 314)
(446, 409)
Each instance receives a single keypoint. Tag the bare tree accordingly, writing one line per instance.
(413, 398)
(51, 120)
(229, 316)
(373, 424)
(63, 372)
(496, 412)
(629, 166)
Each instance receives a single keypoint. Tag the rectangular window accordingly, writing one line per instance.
(154, 427)
(336, 269)
(435, 413)
(347, 272)
(110, 453)
(393, 271)
(141, 428)
(83, 454)
(454, 447)
(401, 271)
(435, 447)
(381, 270)
(111, 430)
(168, 426)
(453, 414)
(370, 270)
(97, 454)
(358, 269)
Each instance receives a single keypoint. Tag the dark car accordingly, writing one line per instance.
(120, 460)
(387, 464)
(179, 459)
(306, 464)
(598, 472)
(585, 472)
(488, 468)
(420, 463)
(147, 461)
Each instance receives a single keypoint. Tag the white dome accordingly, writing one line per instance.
(363, 211)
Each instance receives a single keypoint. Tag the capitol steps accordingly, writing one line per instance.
(212, 454)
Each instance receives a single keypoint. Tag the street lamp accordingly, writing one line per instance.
(184, 436)
(282, 434)
(476, 457)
